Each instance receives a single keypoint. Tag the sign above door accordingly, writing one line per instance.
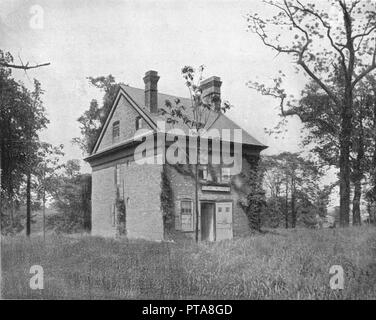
(216, 188)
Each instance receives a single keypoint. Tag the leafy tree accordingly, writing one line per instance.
(320, 118)
(320, 43)
(22, 116)
(45, 174)
(293, 187)
(71, 200)
(368, 165)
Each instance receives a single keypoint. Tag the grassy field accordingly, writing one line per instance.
(279, 265)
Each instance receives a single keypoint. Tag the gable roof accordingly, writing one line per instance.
(221, 122)
(136, 97)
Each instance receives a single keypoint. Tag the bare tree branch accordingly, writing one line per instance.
(22, 66)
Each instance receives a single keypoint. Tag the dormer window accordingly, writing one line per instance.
(139, 123)
(115, 131)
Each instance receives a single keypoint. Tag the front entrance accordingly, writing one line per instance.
(216, 221)
(207, 221)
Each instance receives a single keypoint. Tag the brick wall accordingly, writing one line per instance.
(142, 191)
(103, 198)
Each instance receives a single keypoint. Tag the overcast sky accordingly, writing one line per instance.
(127, 38)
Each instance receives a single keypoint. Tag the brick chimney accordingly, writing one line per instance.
(211, 90)
(151, 91)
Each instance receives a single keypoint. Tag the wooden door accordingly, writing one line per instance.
(223, 217)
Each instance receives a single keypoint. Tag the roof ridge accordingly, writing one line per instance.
(166, 94)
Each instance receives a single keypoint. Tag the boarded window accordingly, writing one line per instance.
(115, 131)
(186, 215)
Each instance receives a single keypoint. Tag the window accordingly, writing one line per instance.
(204, 174)
(186, 215)
(226, 174)
(115, 131)
(139, 123)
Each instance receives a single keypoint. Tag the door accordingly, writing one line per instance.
(207, 221)
(223, 217)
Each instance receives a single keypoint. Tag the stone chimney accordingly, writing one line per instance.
(151, 91)
(211, 90)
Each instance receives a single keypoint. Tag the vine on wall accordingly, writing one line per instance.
(167, 201)
(252, 195)
(121, 214)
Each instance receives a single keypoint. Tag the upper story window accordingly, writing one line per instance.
(203, 173)
(116, 131)
(225, 174)
(139, 123)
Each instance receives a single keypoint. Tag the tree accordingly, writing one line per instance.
(71, 198)
(320, 118)
(363, 141)
(196, 117)
(45, 174)
(294, 183)
(273, 179)
(22, 116)
(369, 133)
(315, 40)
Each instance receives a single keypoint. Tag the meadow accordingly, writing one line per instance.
(280, 264)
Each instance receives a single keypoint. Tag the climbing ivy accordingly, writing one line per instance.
(167, 200)
(251, 193)
(121, 214)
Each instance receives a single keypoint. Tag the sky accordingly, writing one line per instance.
(126, 39)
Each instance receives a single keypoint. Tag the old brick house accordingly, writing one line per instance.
(115, 174)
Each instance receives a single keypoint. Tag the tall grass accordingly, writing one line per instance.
(280, 265)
